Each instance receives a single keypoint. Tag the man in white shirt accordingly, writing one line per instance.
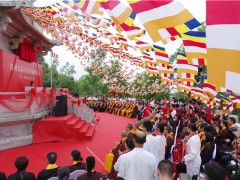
(139, 163)
(161, 140)
(192, 158)
(151, 145)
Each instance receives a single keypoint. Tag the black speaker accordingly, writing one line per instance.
(61, 106)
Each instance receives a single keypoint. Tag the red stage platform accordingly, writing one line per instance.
(67, 128)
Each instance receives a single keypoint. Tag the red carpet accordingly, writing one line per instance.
(106, 133)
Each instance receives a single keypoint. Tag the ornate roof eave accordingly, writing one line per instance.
(25, 25)
(21, 20)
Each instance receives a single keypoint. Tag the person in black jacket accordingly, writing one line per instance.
(207, 150)
(77, 163)
(21, 163)
(51, 169)
(91, 174)
(3, 176)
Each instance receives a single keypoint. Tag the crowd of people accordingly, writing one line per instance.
(206, 142)
(121, 108)
(170, 139)
(52, 170)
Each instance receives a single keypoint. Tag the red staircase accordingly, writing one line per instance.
(67, 128)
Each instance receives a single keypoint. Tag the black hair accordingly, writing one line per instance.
(90, 164)
(139, 139)
(21, 163)
(232, 119)
(215, 118)
(76, 155)
(204, 118)
(63, 173)
(209, 137)
(224, 117)
(148, 125)
(52, 157)
(178, 116)
(165, 167)
(23, 175)
(170, 117)
(193, 119)
(168, 128)
(172, 122)
(129, 143)
(202, 125)
(214, 171)
(207, 128)
(192, 126)
(160, 126)
(225, 123)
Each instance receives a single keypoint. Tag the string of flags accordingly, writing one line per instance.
(82, 26)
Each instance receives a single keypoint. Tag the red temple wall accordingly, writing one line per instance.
(15, 73)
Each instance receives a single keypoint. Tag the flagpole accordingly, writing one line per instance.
(51, 54)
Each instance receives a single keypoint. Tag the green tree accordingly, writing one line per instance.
(92, 83)
(47, 73)
(68, 70)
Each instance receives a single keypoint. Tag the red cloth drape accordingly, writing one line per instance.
(41, 98)
(27, 52)
(19, 106)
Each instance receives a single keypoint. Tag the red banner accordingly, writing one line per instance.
(15, 73)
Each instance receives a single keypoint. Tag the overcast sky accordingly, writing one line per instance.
(196, 7)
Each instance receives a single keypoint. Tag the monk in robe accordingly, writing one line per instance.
(129, 129)
(95, 106)
(129, 112)
(206, 151)
(137, 126)
(116, 152)
(123, 112)
(135, 111)
(201, 134)
(170, 140)
(111, 107)
(118, 105)
(116, 111)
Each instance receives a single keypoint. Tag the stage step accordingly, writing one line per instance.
(84, 128)
(90, 131)
(79, 124)
(73, 121)
(67, 128)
